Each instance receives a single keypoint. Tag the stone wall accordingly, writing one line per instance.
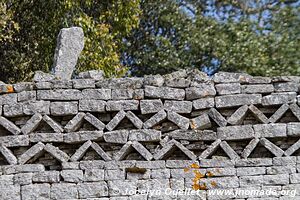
(96, 138)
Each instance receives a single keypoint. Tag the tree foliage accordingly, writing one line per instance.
(29, 30)
(258, 37)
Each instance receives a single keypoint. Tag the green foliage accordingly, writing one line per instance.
(31, 28)
(257, 37)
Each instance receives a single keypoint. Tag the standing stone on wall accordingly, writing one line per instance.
(70, 43)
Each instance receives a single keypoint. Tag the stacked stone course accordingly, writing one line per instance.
(97, 138)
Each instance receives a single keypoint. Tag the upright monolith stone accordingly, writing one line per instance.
(70, 43)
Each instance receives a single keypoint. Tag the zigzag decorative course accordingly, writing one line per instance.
(87, 138)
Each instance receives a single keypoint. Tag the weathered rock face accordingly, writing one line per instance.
(96, 138)
(70, 43)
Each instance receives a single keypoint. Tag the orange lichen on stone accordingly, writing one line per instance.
(193, 125)
(195, 166)
(218, 170)
(186, 169)
(213, 183)
(10, 88)
(209, 174)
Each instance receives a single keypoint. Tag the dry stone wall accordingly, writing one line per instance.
(183, 134)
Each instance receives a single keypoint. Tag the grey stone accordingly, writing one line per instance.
(286, 87)
(64, 191)
(53, 124)
(8, 155)
(62, 84)
(178, 106)
(216, 163)
(119, 187)
(40, 76)
(46, 137)
(122, 94)
(177, 82)
(238, 116)
(72, 176)
(160, 173)
(15, 169)
(154, 80)
(35, 191)
(114, 174)
(169, 148)
(117, 136)
(228, 88)
(250, 171)
(155, 119)
(151, 106)
(258, 114)
(56, 153)
(92, 74)
(92, 164)
(227, 77)
(32, 123)
(250, 147)
(295, 178)
(79, 153)
(100, 152)
(75, 123)
(180, 121)
(8, 99)
(43, 85)
(13, 110)
(164, 93)
(64, 108)
(27, 96)
(217, 117)
(281, 170)
(229, 151)
(237, 100)
(193, 135)
(94, 175)
(94, 121)
(254, 162)
(121, 83)
(92, 190)
(201, 122)
(83, 83)
(156, 164)
(100, 94)
(122, 105)
(293, 129)
(279, 113)
(82, 136)
(15, 141)
(271, 147)
(279, 98)
(42, 107)
(23, 86)
(144, 135)
(203, 103)
(46, 177)
(10, 126)
(270, 130)
(60, 94)
(70, 42)
(23, 179)
(258, 80)
(235, 132)
(295, 110)
(210, 150)
(258, 88)
(283, 161)
(92, 105)
(116, 120)
(280, 179)
(134, 119)
(203, 90)
(70, 165)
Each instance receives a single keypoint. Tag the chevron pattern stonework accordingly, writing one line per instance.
(94, 138)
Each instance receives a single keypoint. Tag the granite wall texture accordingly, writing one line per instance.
(97, 138)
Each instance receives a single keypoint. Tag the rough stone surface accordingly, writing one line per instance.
(96, 138)
(70, 43)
